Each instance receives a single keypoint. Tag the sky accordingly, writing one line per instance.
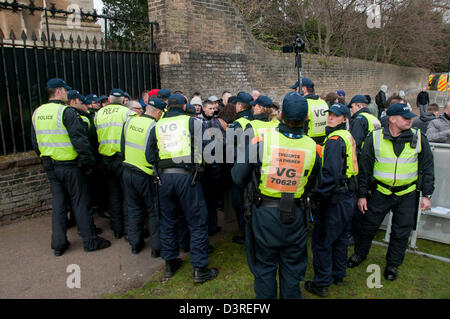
(98, 4)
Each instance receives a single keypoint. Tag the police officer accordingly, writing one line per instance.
(336, 199)
(317, 117)
(264, 116)
(60, 140)
(93, 103)
(109, 121)
(276, 237)
(175, 148)
(139, 184)
(243, 117)
(362, 121)
(398, 162)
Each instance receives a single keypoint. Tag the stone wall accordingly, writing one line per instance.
(24, 188)
(207, 47)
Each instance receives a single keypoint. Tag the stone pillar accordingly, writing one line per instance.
(71, 25)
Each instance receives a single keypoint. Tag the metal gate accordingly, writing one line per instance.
(27, 61)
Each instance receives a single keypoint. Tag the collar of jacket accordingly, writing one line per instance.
(246, 113)
(363, 110)
(405, 136)
(174, 112)
(312, 96)
(297, 132)
(329, 130)
(262, 117)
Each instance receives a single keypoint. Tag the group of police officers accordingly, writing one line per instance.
(334, 160)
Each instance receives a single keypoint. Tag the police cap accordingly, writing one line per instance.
(158, 103)
(163, 94)
(177, 99)
(74, 94)
(117, 93)
(295, 107)
(400, 109)
(339, 109)
(358, 99)
(263, 101)
(58, 83)
(244, 97)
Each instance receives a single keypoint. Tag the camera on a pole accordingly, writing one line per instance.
(298, 47)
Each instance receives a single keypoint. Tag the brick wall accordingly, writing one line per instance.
(207, 47)
(24, 188)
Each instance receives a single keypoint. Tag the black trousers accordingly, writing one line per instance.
(365, 225)
(330, 238)
(278, 248)
(139, 192)
(176, 190)
(113, 169)
(69, 188)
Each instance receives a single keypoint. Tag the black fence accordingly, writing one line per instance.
(90, 66)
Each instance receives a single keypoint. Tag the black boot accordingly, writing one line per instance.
(137, 248)
(354, 260)
(390, 273)
(97, 244)
(338, 281)
(204, 274)
(318, 291)
(59, 252)
(172, 266)
(156, 253)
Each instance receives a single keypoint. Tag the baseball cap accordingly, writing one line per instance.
(125, 94)
(163, 94)
(305, 82)
(74, 94)
(263, 101)
(213, 98)
(339, 109)
(158, 103)
(153, 92)
(92, 98)
(102, 98)
(340, 92)
(117, 92)
(58, 83)
(358, 99)
(244, 97)
(400, 109)
(196, 100)
(190, 109)
(295, 107)
(232, 99)
(177, 99)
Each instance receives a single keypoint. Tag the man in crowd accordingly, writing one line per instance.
(424, 120)
(439, 129)
(423, 99)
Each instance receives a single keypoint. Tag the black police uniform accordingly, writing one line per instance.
(177, 191)
(237, 191)
(269, 242)
(335, 208)
(68, 185)
(140, 193)
(404, 207)
(359, 127)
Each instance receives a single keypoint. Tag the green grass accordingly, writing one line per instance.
(419, 277)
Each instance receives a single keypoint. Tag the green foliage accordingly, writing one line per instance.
(127, 9)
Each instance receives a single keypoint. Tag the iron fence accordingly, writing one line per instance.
(90, 66)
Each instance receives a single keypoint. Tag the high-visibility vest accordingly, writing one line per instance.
(136, 134)
(374, 123)
(350, 151)
(86, 120)
(243, 121)
(392, 170)
(51, 133)
(109, 121)
(174, 139)
(286, 165)
(260, 127)
(317, 117)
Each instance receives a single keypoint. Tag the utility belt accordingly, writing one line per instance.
(396, 189)
(176, 170)
(49, 163)
(266, 201)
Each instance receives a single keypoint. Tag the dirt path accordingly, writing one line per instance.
(28, 268)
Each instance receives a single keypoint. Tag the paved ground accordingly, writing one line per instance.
(28, 268)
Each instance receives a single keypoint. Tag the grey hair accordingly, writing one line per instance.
(116, 99)
(133, 103)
